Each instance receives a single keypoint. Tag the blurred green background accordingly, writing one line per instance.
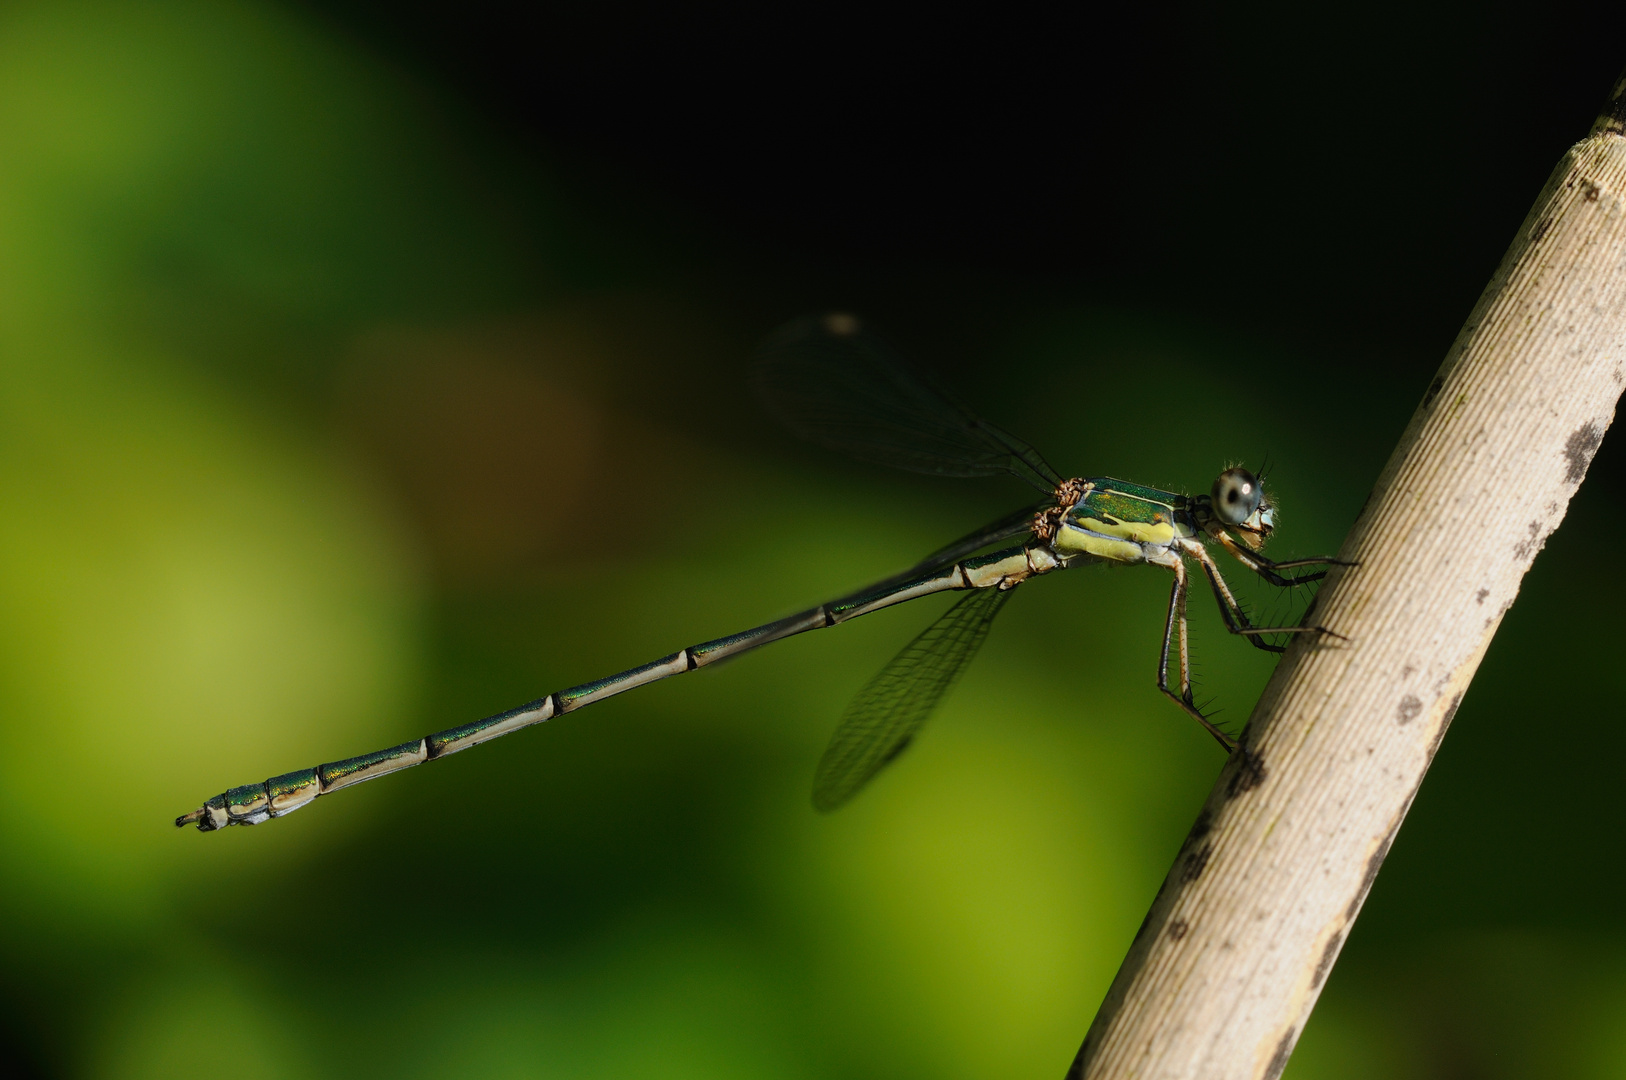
(367, 369)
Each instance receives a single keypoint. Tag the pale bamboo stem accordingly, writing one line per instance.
(1231, 958)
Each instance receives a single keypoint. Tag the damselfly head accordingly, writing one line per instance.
(1238, 503)
(1236, 496)
(1256, 530)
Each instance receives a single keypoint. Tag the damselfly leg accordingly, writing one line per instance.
(1176, 624)
(1267, 568)
(1236, 619)
(1231, 611)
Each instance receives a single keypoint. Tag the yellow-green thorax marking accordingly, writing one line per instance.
(1124, 522)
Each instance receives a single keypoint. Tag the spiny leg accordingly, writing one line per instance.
(1177, 618)
(1267, 568)
(1236, 620)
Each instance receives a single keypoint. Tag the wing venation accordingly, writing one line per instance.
(883, 719)
(833, 384)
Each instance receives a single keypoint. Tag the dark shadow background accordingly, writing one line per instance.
(1308, 175)
(1154, 241)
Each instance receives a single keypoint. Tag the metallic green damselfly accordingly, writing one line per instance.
(832, 383)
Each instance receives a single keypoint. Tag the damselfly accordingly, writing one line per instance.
(834, 384)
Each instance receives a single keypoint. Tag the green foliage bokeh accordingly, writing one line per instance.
(323, 425)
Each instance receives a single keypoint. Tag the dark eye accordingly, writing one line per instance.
(1236, 496)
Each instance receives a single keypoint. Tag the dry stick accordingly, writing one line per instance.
(1228, 964)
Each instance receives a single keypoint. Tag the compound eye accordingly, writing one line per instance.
(1236, 496)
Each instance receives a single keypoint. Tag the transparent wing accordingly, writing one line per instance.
(1018, 523)
(887, 712)
(835, 385)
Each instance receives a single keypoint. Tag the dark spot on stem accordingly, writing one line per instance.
(1200, 828)
(1250, 772)
(1579, 448)
(1433, 391)
(1178, 928)
(1410, 706)
(1196, 863)
(1479, 597)
(1589, 190)
(1540, 230)
(1373, 865)
(1328, 955)
(1524, 549)
(1278, 1060)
